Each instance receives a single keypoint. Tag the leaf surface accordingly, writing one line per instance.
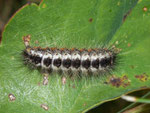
(123, 24)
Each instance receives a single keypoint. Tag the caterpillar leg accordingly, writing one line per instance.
(45, 77)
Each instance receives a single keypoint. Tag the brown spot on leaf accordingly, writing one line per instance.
(63, 80)
(145, 9)
(132, 67)
(91, 19)
(143, 77)
(116, 82)
(45, 107)
(124, 77)
(119, 81)
(127, 14)
(26, 40)
(11, 97)
(84, 104)
(129, 44)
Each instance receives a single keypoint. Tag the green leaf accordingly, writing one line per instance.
(123, 24)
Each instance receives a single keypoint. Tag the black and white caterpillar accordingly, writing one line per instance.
(86, 61)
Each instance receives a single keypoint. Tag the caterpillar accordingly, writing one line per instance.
(72, 61)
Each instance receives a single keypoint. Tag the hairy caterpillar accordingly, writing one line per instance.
(78, 61)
